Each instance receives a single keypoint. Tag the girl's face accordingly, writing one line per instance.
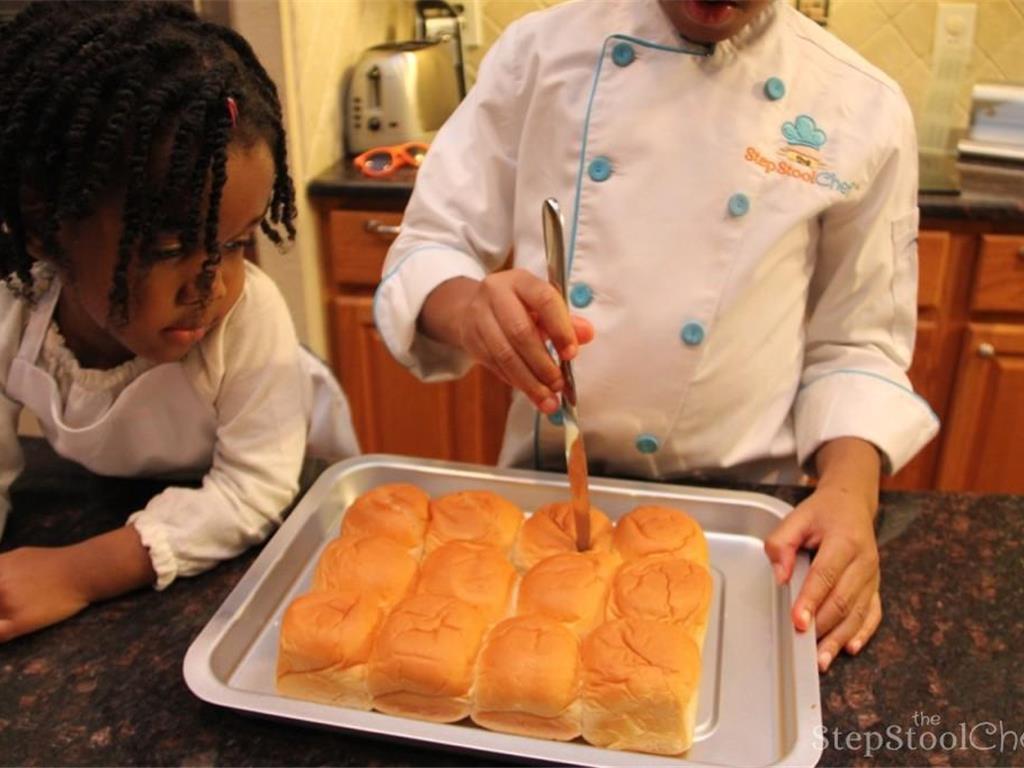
(711, 21)
(166, 312)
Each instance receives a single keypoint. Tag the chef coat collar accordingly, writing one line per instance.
(652, 24)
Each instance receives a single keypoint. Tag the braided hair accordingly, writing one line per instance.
(99, 97)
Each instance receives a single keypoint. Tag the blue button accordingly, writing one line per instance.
(623, 54)
(600, 168)
(557, 418)
(692, 333)
(739, 204)
(580, 295)
(647, 443)
(774, 88)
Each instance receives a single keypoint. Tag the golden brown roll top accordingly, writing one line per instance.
(528, 679)
(482, 517)
(325, 643)
(396, 511)
(660, 588)
(571, 588)
(640, 682)
(422, 662)
(374, 565)
(652, 530)
(551, 530)
(477, 574)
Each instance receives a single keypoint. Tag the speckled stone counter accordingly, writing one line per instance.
(940, 684)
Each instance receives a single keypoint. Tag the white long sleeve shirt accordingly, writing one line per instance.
(238, 411)
(741, 231)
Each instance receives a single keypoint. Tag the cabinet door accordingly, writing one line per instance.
(394, 412)
(920, 472)
(983, 449)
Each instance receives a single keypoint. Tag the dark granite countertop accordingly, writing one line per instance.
(106, 687)
(988, 192)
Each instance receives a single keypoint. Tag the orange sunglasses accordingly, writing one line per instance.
(383, 161)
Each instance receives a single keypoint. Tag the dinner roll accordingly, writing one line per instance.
(551, 530)
(663, 588)
(374, 565)
(397, 511)
(650, 530)
(640, 683)
(479, 516)
(570, 588)
(477, 574)
(528, 679)
(325, 643)
(422, 661)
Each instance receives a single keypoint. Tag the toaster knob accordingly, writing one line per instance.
(373, 123)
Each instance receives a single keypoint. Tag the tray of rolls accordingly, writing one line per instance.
(446, 603)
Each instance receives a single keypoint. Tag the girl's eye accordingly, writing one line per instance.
(240, 244)
(169, 252)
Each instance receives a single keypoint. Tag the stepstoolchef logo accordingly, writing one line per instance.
(800, 157)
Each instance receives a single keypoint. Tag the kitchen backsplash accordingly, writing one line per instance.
(895, 35)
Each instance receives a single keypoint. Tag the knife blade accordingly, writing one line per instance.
(575, 454)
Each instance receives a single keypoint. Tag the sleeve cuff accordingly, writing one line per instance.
(397, 305)
(155, 540)
(863, 404)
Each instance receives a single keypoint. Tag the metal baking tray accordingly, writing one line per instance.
(759, 702)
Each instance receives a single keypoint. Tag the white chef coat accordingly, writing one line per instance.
(741, 226)
(241, 409)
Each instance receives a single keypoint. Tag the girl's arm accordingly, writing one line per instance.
(40, 586)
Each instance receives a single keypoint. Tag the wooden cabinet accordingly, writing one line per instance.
(392, 410)
(969, 359)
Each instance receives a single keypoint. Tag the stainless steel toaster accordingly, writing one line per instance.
(400, 92)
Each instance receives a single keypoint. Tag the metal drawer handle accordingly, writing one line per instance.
(375, 227)
(986, 350)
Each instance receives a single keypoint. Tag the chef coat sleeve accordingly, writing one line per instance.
(862, 315)
(11, 457)
(261, 401)
(459, 222)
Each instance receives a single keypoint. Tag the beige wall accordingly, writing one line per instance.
(895, 35)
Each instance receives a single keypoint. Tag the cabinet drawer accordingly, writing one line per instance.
(932, 259)
(999, 280)
(359, 241)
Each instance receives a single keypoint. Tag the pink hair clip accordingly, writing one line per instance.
(233, 110)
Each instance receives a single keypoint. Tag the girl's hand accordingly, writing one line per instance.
(37, 588)
(41, 586)
(841, 589)
(504, 321)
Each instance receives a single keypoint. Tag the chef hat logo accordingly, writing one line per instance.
(804, 132)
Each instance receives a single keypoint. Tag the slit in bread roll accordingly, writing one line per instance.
(528, 679)
(571, 588)
(324, 645)
(551, 530)
(660, 588)
(477, 574)
(640, 684)
(396, 511)
(651, 530)
(482, 517)
(375, 565)
(422, 662)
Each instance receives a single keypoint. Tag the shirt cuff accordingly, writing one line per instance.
(154, 539)
(850, 403)
(399, 299)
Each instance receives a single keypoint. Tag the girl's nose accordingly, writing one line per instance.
(192, 292)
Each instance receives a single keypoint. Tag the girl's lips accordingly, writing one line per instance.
(186, 335)
(711, 13)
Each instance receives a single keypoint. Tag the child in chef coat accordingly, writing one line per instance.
(739, 190)
(141, 149)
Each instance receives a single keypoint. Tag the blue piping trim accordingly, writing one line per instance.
(579, 171)
(873, 375)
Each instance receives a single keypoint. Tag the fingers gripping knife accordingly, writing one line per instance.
(575, 456)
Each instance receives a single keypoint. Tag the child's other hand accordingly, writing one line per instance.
(841, 588)
(37, 588)
(504, 321)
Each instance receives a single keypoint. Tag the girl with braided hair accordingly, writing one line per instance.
(140, 148)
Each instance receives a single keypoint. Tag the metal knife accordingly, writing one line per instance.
(575, 455)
